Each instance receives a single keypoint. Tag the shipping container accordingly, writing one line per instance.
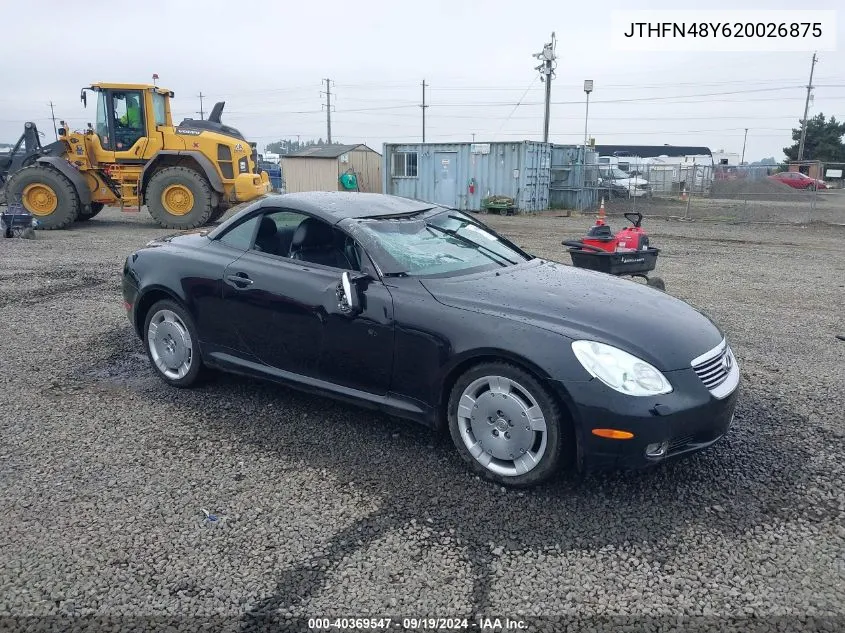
(572, 187)
(462, 175)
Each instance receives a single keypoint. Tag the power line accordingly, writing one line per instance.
(508, 118)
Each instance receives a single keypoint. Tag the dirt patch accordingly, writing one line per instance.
(755, 189)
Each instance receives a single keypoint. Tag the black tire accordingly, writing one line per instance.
(67, 199)
(195, 372)
(202, 208)
(558, 427)
(656, 282)
(95, 208)
(218, 213)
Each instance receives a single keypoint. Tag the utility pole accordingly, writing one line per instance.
(547, 73)
(806, 107)
(328, 110)
(53, 116)
(744, 138)
(202, 112)
(423, 106)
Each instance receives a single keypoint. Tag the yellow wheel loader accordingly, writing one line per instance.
(187, 175)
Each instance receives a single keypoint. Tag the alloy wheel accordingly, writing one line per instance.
(502, 425)
(170, 344)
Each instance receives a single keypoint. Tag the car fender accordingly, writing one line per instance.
(147, 295)
(462, 362)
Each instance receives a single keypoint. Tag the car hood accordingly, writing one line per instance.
(582, 304)
(194, 237)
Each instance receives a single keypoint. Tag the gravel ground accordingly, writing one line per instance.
(325, 509)
(745, 204)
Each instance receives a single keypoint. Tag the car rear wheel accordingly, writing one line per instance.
(506, 425)
(172, 345)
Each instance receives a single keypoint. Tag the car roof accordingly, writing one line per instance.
(335, 206)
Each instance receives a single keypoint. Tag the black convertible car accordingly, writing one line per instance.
(426, 313)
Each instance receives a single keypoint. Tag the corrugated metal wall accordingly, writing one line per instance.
(310, 174)
(520, 170)
(566, 191)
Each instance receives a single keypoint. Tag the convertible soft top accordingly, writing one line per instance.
(334, 206)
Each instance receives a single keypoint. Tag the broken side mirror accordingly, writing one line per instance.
(349, 297)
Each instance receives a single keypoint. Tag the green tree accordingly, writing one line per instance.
(823, 141)
(287, 146)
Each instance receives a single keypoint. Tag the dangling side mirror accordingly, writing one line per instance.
(349, 290)
(350, 300)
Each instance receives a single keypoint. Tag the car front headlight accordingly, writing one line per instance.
(620, 370)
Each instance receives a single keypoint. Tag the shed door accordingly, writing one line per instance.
(446, 178)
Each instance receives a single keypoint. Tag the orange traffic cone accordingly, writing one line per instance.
(600, 217)
(684, 193)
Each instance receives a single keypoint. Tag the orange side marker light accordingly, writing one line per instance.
(613, 434)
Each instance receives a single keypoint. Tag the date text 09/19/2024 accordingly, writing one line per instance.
(418, 624)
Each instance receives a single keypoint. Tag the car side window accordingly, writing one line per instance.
(301, 237)
(276, 231)
(240, 236)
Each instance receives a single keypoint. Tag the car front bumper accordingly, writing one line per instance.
(130, 298)
(687, 420)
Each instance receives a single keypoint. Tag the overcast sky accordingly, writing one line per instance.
(267, 63)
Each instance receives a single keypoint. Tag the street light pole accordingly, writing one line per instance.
(744, 139)
(588, 88)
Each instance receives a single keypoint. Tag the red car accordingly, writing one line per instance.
(797, 180)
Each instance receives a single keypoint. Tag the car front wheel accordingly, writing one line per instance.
(172, 344)
(506, 425)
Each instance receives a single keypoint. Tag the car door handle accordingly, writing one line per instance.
(240, 281)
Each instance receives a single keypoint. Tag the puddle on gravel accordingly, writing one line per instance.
(124, 365)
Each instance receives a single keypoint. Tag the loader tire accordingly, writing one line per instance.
(46, 194)
(218, 213)
(96, 207)
(179, 198)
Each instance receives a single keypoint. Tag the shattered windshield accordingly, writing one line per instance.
(447, 242)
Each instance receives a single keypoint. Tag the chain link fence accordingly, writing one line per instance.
(791, 193)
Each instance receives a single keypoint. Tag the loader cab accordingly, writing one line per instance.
(120, 121)
(127, 119)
